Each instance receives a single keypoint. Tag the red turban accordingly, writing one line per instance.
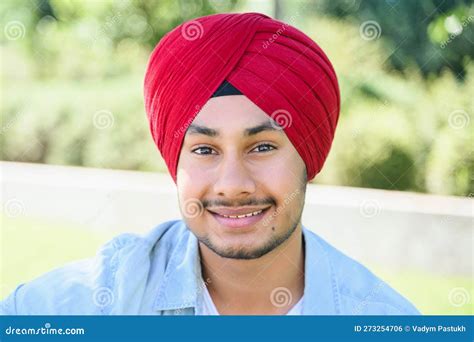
(276, 66)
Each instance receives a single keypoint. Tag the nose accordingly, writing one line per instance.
(233, 179)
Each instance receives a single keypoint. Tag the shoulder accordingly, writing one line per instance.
(93, 286)
(360, 291)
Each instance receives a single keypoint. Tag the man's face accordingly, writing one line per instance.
(227, 169)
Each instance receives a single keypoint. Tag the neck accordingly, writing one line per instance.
(246, 287)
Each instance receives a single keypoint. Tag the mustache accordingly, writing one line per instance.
(246, 203)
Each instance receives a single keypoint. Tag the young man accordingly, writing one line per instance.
(243, 109)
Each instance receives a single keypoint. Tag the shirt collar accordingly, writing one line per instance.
(182, 282)
(182, 279)
(321, 292)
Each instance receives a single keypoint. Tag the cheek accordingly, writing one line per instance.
(190, 179)
(294, 202)
(287, 185)
(191, 187)
(282, 172)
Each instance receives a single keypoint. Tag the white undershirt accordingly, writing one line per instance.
(210, 309)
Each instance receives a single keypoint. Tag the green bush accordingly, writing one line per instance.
(374, 147)
(451, 163)
(79, 123)
(390, 131)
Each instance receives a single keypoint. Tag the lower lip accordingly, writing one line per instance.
(239, 222)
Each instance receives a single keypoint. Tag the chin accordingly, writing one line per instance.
(234, 249)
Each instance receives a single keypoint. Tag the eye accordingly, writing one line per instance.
(266, 147)
(204, 150)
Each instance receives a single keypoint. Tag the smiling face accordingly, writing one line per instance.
(235, 160)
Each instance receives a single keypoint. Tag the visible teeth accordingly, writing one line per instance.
(245, 215)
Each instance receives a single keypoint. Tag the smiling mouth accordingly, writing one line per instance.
(240, 221)
(242, 216)
(250, 214)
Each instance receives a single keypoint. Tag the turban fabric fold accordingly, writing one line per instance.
(276, 66)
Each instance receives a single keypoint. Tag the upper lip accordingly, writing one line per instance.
(236, 211)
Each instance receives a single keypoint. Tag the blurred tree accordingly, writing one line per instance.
(142, 20)
(434, 34)
(60, 35)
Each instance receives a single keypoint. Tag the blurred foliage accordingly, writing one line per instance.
(397, 130)
(72, 75)
(415, 31)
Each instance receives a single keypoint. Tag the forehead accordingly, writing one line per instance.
(233, 111)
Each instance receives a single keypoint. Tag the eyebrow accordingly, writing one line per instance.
(248, 132)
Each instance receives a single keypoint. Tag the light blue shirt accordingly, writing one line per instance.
(160, 274)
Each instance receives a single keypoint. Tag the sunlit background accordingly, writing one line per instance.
(72, 75)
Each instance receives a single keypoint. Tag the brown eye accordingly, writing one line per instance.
(265, 147)
(204, 150)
